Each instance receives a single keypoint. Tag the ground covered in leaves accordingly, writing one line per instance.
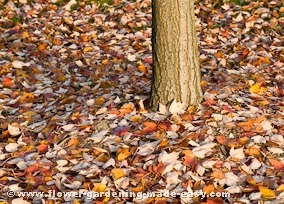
(74, 81)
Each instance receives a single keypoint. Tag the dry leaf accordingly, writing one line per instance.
(266, 192)
(118, 173)
(14, 130)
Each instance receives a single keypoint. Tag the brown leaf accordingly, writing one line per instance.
(159, 168)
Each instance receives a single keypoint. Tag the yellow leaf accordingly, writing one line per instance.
(75, 201)
(87, 49)
(27, 98)
(117, 173)
(136, 118)
(105, 61)
(280, 188)
(61, 78)
(30, 114)
(99, 187)
(123, 154)
(106, 199)
(25, 34)
(141, 186)
(48, 178)
(257, 88)
(266, 192)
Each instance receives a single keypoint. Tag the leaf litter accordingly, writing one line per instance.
(74, 80)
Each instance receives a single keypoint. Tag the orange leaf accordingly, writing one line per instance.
(27, 98)
(247, 126)
(208, 189)
(128, 106)
(32, 168)
(159, 168)
(7, 82)
(276, 164)
(73, 142)
(259, 119)
(243, 140)
(160, 201)
(217, 174)
(214, 201)
(190, 161)
(142, 68)
(149, 127)
(42, 148)
(41, 47)
(57, 41)
(253, 151)
(222, 139)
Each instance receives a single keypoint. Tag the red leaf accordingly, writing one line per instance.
(121, 130)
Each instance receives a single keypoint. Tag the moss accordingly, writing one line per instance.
(74, 7)
(61, 2)
(100, 2)
(240, 2)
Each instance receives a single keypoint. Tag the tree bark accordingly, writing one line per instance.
(176, 71)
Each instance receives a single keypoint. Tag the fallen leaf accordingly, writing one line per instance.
(237, 153)
(176, 108)
(266, 192)
(99, 187)
(7, 82)
(149, 127)
(14, 130)
(27, 98)
(118, 173)
(257, 88)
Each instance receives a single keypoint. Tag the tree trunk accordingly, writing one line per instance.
(176, 71)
